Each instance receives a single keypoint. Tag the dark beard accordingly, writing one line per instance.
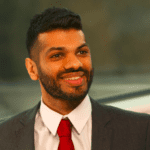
(55, 91)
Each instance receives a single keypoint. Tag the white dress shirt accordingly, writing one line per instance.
(47, 122)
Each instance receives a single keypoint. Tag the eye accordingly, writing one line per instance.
(83, 52)
(56, 56)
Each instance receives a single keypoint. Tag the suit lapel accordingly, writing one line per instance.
(25, 130)
(101, 132)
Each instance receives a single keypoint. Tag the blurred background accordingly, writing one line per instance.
(118, 33)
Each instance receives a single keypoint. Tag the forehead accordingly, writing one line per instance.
(67, 38)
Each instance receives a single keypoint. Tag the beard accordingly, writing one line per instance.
(53, 88)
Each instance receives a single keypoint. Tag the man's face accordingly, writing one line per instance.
(65, 67)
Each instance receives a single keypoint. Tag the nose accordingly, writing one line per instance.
(72, 62)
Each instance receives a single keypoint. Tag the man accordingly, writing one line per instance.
(60, 59)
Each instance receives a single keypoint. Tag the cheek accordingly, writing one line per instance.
(87, 63)
(54, 69)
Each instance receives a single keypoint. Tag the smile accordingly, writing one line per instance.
(73, 78)
(76, 81)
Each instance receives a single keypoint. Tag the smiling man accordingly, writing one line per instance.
(65, 69)
(67, 118)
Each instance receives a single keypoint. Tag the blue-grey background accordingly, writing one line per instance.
(118, 32)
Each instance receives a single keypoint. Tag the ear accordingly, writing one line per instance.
(31, 68)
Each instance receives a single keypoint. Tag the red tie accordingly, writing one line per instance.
(64, 133)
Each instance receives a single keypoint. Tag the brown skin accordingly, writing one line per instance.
(56, 93)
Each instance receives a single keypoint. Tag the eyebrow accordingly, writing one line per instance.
(63, 48)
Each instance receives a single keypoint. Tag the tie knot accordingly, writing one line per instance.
(64, 128)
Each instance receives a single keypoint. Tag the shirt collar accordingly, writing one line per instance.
(78, 117)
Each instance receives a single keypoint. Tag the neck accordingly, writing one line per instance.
(63, 107)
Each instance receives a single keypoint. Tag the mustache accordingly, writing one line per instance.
(73, 70)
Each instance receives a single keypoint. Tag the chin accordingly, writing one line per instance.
(74, 96)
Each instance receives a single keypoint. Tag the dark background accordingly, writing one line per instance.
(118, 32)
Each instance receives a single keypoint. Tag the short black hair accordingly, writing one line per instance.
(51, 19)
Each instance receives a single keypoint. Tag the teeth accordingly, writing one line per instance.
(73, 78)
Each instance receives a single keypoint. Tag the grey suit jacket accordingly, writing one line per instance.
(112, 129)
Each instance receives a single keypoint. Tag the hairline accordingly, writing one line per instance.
(37, 44)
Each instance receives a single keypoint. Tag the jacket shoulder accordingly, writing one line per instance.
(14, 119)
(10, 122)
(118, 113)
